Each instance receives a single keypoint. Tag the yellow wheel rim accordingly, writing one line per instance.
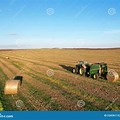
(94, 76)
(81, 71)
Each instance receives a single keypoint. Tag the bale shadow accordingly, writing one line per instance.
(68, 68)
(19, 78)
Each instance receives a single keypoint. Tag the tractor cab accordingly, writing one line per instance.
(82, 68)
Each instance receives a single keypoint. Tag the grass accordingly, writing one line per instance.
(5, 100)
(46, 98)
(70, 90)
(63, 86)
(7, 67)
(1, 106)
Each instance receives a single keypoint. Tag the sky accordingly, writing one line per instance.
(59, 24)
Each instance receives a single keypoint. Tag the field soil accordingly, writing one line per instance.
(49, 84)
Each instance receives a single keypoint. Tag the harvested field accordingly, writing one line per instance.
(49, 84)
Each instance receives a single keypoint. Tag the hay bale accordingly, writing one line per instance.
(112, 76)
(7, 57)
(12, 87)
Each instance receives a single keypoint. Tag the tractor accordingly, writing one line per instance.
(95, 71)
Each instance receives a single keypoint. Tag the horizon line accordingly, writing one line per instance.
(105, 48)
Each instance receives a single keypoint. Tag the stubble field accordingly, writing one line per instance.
(49, 84)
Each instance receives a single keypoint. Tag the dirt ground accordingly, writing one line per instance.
(49, 84)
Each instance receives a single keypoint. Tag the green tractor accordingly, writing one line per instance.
(95, 71)
(82, 68)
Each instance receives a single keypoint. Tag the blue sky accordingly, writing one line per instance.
(59, 23)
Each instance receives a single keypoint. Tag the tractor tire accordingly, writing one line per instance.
(81, 71)
(95, 76)
(74, 71)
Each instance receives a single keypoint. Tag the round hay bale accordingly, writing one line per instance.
(112, 76)
(7, 57)
(12, 87)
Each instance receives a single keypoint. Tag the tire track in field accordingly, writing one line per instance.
(54, 66)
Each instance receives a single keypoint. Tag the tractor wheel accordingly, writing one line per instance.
(95, 76)
(81, 71)
(74, 70)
